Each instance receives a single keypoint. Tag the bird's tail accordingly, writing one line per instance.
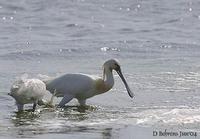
(48, 103)
(45, 81)
(52, 97)
(44, 78)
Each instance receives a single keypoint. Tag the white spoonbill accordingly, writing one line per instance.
(27, 91)
(82, 86)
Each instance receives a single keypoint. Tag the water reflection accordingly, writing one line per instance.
(68, 120)
(24, 118)
(81, 109)
(107, 133)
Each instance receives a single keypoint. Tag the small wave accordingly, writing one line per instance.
(166, 46)
(105, 49)
(74, 25)
(13, 7)
(24, 55)
(176, 116)
(66, 50)
(126, 30)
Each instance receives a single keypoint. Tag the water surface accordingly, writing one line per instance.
(156, 42)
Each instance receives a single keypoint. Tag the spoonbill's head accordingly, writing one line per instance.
(113, 64)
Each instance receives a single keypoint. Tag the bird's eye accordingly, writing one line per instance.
(117, 66)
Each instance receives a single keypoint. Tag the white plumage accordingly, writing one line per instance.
(83, 86)
(27, 91)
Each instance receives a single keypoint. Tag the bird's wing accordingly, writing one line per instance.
(70, 83)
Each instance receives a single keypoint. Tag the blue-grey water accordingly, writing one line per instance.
(157, 43)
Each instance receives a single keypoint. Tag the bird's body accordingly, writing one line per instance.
(83, 86)
(28, 91)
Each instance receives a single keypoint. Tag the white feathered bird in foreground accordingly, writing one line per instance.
(28, 91)
(82, 86)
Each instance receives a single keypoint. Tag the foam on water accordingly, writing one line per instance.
(181, 117)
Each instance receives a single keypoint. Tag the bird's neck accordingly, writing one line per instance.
(105, 84)
(108, 78)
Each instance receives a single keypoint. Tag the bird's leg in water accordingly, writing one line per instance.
(20, 107)
(34, 105)
(65, 99)
(42, 102)
(82, 102)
